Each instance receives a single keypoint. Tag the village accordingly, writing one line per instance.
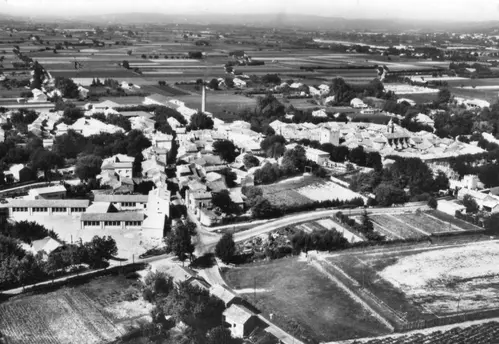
(184, 185)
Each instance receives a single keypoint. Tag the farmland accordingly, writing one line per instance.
(408, 226)
(425, 282)
(299, 294)
(95, 312)
(322, 191)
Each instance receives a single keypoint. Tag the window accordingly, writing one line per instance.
(91, 223)
(112, 223)
(20, 209)
(58, 210)
(128, 204)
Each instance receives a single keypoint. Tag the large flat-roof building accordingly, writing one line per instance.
(47, 207)
(50, 192)
(126, 220)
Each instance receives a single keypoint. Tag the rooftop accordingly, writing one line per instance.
(223, 293)
(49, 189)
(238, 314)
(126, 216)
(49, 203)
(121, 198)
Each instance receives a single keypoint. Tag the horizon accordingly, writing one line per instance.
(447, 11)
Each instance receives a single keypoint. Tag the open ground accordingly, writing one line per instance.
(95, 312)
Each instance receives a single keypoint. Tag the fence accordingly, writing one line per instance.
(453, 319)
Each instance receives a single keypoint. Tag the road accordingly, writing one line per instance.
(207, 240)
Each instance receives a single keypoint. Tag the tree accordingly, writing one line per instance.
(294, 160)
(100, 249)
(441, 181)
(136, 142)
(45, 161)
(273, 146)
(179, 240)
(71, 115)
(443, 96)
(67, 87)
(213, 84)
(137, 165)
(387, 194)
(226, 248)
(219, 335)
(470, 204)
(358, 156)
(126, 64)
(223, 201)
(432, 203)
(230, 176)
(251, 193)
(88, 167)
(249, 161)
(200, 121)
(226, 150)
(263, 209)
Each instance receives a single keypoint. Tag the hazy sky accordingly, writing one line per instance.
(456, 10)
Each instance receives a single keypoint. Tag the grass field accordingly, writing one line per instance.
(96, 312)
(448, 219)
(299, 294)
(423, 282)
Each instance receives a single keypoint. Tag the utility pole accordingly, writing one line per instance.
(254, 289)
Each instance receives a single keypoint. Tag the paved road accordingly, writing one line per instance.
(207, 240)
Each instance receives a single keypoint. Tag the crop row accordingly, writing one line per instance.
(477, 334)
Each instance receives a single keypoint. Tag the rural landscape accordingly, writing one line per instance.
(260, 174)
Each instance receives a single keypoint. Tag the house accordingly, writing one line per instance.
(14, 171)
(357, 103)
(50, 192)
(38, 96)
(450, 207)
(486, 202)
(406, 100)
(161, 140)
(424, 119)
(124, 202)
(120, 164)
(61, 129)
(46, 245)
(83, 92)
(225, 294)
(101, 207)
(319, 113)
(127, 220)
(48, 144)
(196, 200)
(47, 207)
(158, 201)
(238, 83)
(241, 320)
(182, 274)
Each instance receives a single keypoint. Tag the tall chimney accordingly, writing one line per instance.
(203, 100)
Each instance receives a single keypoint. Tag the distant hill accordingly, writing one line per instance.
(279, 20)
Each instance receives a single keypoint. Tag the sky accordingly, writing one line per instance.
(448, 10)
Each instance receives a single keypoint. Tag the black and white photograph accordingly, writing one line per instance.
(249, 172)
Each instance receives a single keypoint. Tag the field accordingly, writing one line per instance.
(407, 225)
(95, 312)
(298, 293)
(425, 282)
(323, 191)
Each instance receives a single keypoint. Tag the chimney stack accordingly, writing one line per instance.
(203, 100)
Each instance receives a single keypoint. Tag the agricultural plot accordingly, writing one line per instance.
(394, 227)
(330, 224)
(71, 315)
(450, 280)
(426, 223)
(285, 197)
(323, 191)
(482, 333)
(448, 220)
(303, 300)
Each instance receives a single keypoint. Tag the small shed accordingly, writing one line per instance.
(241, 320)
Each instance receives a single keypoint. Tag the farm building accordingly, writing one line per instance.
(50, 192)
(450, 207)
(242, 321)
(126, 220)
(486, 202)
(225, 294)
(357, 103)
(47, 207)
